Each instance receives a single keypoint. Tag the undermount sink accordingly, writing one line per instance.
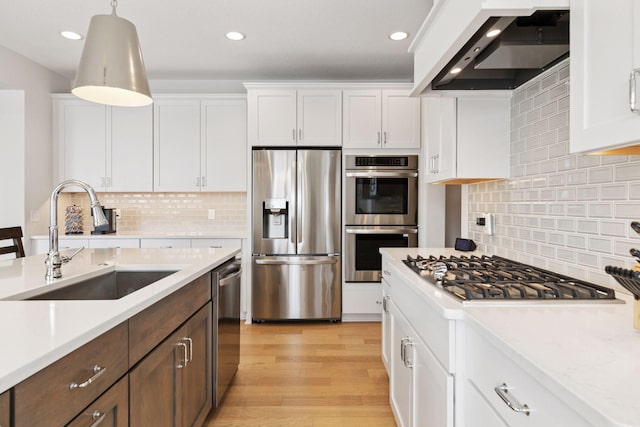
(109, 286)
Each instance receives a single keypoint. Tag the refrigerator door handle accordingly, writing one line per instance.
(290, 261)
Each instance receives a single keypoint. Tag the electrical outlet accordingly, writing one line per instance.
(490, 224)
(35, 215)
(212, 214)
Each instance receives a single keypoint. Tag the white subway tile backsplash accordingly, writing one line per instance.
(600, 175)
(627, 210)
(564, 212)
(628, 172)
(613, 228)
(600, 244)
(613, 192)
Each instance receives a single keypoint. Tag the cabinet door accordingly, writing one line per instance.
(400, 120)
(477, 411)
(110, 409)
(224, 145)
(482, 135)
(130, 154)
(319, 117)
(401, 381)
(362, 119)
(386, 324)
(176, 144)
(432, 390)
(196, 387)
(82, 141)
(5, 410)
(599, 75)
(272, 117)
(153, 385)
(440, 114)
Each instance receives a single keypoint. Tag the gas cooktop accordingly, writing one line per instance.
(483, 278)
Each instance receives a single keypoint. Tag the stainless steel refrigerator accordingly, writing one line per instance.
(296, 234)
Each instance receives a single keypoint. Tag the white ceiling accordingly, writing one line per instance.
(184, 40)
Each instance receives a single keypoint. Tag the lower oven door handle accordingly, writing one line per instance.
(381, 231)
(290, 261)
(380, 174)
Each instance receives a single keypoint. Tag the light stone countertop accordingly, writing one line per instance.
(37, 333)
(148, 235)
(587, 354)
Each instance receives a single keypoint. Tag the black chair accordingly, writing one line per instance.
(15, 235)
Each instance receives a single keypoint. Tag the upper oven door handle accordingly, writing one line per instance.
(381, 174)
(381, 230)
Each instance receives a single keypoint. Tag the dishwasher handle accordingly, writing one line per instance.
(224, 281)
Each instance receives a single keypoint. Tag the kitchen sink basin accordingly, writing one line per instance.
(109, 286)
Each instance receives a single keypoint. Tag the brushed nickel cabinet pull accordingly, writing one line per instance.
(190, 347)
(502, 391)
(185, 361)
(97, 373)
(98, 418)
(633, 105)
(378, 137)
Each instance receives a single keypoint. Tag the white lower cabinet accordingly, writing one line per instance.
(362, 300)
(421, 390)
(386, 323)
(490, 372)
(114, 243)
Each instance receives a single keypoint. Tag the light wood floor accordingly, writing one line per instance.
(308, 375)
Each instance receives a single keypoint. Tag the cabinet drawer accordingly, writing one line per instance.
(114, 243)
(46, 398)
(362, 298)
(111, 409)
(434, 329)
(488, 368)
(5, 408)
(149, 327)
(165, 243)
(216, 243)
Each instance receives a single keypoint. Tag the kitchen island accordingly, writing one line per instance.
(561, 363)
(37, 333)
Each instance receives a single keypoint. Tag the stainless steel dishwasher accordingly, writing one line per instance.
(226, 327)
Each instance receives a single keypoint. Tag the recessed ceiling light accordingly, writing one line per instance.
(398, 35)
(71, 35)
(455, 70)
(493, 33)
(234, 35)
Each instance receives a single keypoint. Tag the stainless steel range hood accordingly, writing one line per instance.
(452, 50)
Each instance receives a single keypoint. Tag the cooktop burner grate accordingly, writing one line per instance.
(496, 278)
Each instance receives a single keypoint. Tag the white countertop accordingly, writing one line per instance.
(587, 354)
(147, 235)
(37, 333)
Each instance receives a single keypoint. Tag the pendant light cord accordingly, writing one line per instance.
(114, 4)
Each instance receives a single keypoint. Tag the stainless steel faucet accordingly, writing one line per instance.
(54, 261)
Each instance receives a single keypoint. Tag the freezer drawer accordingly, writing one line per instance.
(296, 288)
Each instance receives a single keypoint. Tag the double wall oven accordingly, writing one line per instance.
(381, 211)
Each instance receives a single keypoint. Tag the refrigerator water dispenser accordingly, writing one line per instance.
(275, 218)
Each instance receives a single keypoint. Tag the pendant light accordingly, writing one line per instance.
(111, 69)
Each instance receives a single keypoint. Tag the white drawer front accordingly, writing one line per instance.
(165, 243)
(114, 243)
(436, 331)
(216, 243)
(488, 368)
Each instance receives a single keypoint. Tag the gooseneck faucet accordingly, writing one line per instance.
(54, 261)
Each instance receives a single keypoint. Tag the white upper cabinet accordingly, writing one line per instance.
(110, 148)
(376, 118)
(290, 117)
(176, 140)
(605, 49)
(224, 145)
(200, 144)
(467, 139)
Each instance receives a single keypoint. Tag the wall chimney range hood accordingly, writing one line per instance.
(525, 47)
(488, 44)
